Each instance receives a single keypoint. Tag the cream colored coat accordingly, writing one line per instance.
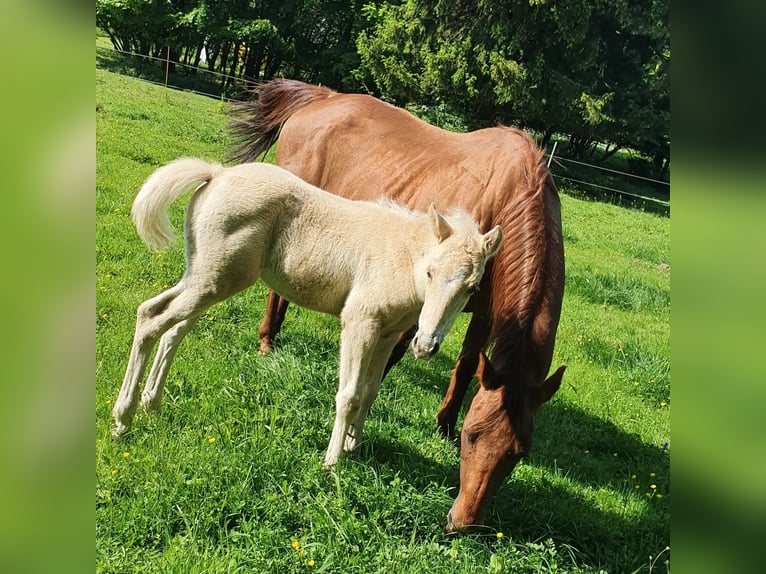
(378, 267)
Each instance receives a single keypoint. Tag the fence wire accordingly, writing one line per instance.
(243, 82)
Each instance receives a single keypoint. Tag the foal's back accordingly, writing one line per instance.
(310, 246)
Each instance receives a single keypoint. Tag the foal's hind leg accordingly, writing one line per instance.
(166, 351)
(154, 317)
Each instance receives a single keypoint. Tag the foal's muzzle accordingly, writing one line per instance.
(425, 347)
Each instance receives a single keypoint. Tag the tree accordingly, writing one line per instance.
(588, 69)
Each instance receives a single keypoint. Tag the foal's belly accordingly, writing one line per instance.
(308, 288)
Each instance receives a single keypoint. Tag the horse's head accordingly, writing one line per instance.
(497, 432)
(453, 269)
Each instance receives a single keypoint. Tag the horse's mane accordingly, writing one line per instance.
(519, 269)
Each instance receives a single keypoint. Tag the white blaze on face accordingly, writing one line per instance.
(445, 299)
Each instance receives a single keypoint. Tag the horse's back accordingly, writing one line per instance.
(363, 148)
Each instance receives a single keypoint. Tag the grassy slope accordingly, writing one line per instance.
(171, 499)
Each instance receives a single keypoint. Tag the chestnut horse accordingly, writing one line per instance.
(362, 148)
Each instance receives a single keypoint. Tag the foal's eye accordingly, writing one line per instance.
(429, 274)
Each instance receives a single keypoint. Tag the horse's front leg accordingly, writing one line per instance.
(465, 368)
(358, 339)
(400, 348)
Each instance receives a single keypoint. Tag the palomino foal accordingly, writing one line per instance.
(380, 268)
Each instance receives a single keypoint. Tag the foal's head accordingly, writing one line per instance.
(453, 270)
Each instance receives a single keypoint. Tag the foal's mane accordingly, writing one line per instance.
(458, 218)
(519, 270)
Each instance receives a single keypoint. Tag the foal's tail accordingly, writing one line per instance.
(256, 124)
(164, 186)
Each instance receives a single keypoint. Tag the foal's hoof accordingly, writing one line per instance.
(150, 404)
(119, 430)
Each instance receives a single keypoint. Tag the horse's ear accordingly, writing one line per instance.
(439, 225)
(485, 372)
(491, 242)
(549, 386)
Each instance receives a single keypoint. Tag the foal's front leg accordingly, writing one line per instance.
(373, 379)
(358, 339)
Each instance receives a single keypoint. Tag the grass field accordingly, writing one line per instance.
(228, 477)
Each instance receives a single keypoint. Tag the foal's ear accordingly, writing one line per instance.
(439, 225)
(491, 242)
(485, 372)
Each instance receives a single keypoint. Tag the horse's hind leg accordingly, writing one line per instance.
(465, 368)
(166, 351)
(276, 307)
(154, 317)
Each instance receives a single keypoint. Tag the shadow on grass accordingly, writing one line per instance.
(553, 494)
(570, 446)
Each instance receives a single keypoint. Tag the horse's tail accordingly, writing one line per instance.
(257, 123)
(164, 186)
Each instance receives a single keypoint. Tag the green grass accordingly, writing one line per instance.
(170, 499)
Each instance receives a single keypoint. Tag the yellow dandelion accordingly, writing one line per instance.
(302, 552)
(658, 495)
(310, 563)
(653, 486)
(211, 440)
(663, 404)
(633, 476)
(635, 383)
(295, 544)
(652, 474)
(637, 487)
(114, 471)
(499, 535)
(125, 454)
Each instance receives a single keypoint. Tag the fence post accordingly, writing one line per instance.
(550, 157)
(167, 67)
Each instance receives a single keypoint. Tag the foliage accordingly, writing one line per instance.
(310, 39)
(596, 71)
(228, 477)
